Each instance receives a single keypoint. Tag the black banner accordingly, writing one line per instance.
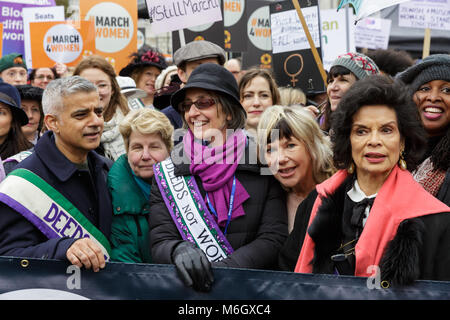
(48, 279)
(235, 22)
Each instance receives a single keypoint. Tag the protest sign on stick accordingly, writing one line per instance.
(65, 42)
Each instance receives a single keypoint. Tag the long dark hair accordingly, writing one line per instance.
(15, 142)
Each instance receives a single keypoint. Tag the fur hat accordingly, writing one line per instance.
(359, 64)
(434, 67)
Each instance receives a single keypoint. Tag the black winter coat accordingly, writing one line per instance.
(255, 237)
(20, 238)
(420, 249)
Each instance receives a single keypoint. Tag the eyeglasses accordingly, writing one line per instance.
(200, 104)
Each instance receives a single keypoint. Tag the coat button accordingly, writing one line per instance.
(118, 209)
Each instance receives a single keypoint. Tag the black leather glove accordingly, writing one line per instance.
(193, 266)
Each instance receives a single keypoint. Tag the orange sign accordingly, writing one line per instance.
(64, 41)
(115, 28)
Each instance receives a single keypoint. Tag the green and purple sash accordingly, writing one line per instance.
(189, 211)
(47, 209)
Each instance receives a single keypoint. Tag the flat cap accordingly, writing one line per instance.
(197, 50)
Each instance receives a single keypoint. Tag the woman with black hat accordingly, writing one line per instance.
(209, 203)
(145, 66)
(429, 82)
(12, 118)
(31, 98)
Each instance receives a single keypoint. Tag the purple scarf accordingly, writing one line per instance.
(216, 167)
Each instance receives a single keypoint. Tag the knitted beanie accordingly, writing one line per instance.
(434, 67)
(12, 60)
(359, 64)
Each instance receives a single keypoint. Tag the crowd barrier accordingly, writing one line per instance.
(49, 279)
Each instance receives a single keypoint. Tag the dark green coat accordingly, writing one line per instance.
(129, 229)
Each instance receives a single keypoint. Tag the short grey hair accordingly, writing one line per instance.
(56, 90)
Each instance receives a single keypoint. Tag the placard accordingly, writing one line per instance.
(425, 14)
(213, 32)
(66, 42)
(1, 37)
(338, 34)
(34, 14)
(259, 36)
(235, 21)
(297, 68)
(115, 29)
(373, 33)
(288, 33)
(11, 17)
(171, 15)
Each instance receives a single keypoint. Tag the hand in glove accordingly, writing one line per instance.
(193, 267)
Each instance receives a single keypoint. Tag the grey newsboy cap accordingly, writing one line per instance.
(197, 50)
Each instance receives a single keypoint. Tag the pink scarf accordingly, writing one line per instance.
(216, 168)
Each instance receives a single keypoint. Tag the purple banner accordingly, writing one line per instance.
(11, 17)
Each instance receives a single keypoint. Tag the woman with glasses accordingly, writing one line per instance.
(210, 205)
(40, 77)
(115, 106)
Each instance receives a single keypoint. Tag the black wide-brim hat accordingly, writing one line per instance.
(143, 59)
(10, 96)
(209, 76)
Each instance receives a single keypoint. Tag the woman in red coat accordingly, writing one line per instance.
(372, 215)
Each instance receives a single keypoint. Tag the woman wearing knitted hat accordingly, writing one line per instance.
(209, 203)
(346, 70)
(429, 81)
(144, 68)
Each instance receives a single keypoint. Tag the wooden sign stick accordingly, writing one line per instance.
(426, 43)
(311, 42)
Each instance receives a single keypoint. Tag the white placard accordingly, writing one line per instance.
(432, 14)
(171, 15)
(287, 31)
(338, 34)
(373, 33)
(37, 14)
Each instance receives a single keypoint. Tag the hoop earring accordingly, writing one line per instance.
(351, 168)
(401, 161)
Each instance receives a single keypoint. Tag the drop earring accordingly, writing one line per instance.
(401, 161)
(351, 168)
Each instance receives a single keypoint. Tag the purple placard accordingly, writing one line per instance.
(11, 17)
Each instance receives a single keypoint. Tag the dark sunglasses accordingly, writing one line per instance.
(200, 104)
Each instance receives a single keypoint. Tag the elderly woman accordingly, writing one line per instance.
(147, 134)
(344, 72)
(258, 91)
(209, 204)
(429, 82)
(372, 215)
(296, 151)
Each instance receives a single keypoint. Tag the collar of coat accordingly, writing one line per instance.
(400, 198)
(57, 163)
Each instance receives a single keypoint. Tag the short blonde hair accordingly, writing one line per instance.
(292, 96)
(147, 121)
(295, 121)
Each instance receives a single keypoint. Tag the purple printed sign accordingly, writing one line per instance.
(11, 17)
